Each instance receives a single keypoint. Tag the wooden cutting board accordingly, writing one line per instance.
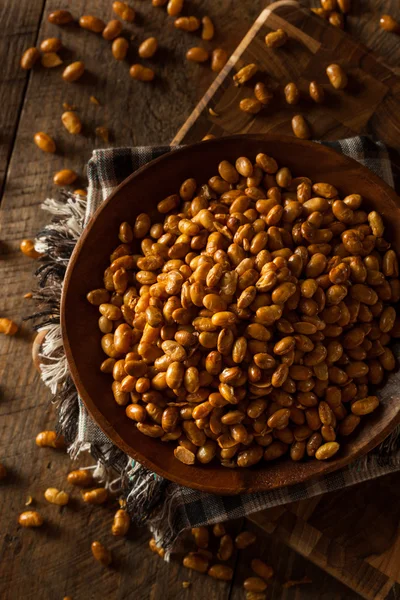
(370, 103)
(353, 533)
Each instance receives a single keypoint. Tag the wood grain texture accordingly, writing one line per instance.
(351, 533)
(55, 562)
(369, 104)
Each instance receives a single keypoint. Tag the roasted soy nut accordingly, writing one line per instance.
(337, 76)
(187, 23)
(121, 523)
(196, 562)
(123, 10)
(91, 23)
(197, 54)
(50, 439)
(148, 47)
(65, 177)
(80, 478)
(221, 572)
(300, 127)
(262, 93)
(226, 548)
(276, 39)
(219, 58)
(141, 73)
(250, 105)
(101, 554)
(388, 23)
(292, 94)
(30, 518)
(201, 536)
(71, 122)
(261, 569)
(96, 496)
(112, 30)
(55, 496)
(254, 584)
(74, 71)
(245, 74)
(208, 29)
(27, 247)
(29, 58)
(245, 539)
(60, 17)
(119, 48)
(365, 406)
(316, 92)
(44, 142)
(327, 450)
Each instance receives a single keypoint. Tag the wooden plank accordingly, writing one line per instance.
(20, 24)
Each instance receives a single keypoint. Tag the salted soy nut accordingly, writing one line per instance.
(276, 39)
(80, 478)
(30, 518)
(365, 406)
(197, 54)
(300, 127)
(119, 48)
(74, 71)
(55, 496)
(219, 58)
(187, 23)
(221, 572)
(327, 450)
(292, 94)
(254, 584)
(148, 47)
(388, 23)
(201, 536)
(226, 548)
(91, 23)
(174, 7)
(244, 74)
(29, 58)
(50, 45)
(262, 93)
(337, 76)
(101, 554)
(208, 29)
(121, 523)
(316, 92)
(50, 439)
(250, 105)
(60, 17)
(244, 539)
(44, 142)
(71, 122)
(96, 496)
(261, 569)
(196, 562)
(141, 73)
(123, 10)
(112, 30)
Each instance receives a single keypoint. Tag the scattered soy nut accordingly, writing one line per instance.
(141, 73)
(51, 45)
(60, 17)
(262, 93)
(112, 30)
(196, 562)
(316, 92)
(92, 23)
(244, 74)
(29, 58)
(300, 127)
(245, 539)
(337, 76)
(250, 105)
(226, 547)
(55, 496)
(96, 496)
(292, 94)
(8, 327)
(221, 572)
(119, 48)
(389, 24)
(219, 530)
(101, 553)
(174, 7)
(327, 450)
(65, 177)
(254, 584)
(123, 10)
(148, 47)
(219, 58)
(197, 54)
(276, 39)
(156, 549)
(187, 23)
(27, 247)
(121, 523)
(201, 536)
(74, 71)
(50, 439)
(44, 142)
(261, 569)
(71, 122)
(208, 29)
(30, 518)
(80, 478)
(50, 60)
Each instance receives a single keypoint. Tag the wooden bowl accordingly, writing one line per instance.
(141, 192)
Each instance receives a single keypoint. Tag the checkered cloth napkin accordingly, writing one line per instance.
(168, 507)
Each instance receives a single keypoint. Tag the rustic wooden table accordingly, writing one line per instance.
(55, 561)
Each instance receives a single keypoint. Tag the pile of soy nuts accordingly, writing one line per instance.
(254, 319)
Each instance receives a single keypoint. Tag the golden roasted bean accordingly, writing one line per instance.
(244, 74)
(65, 177)
(60, 17)
(219, 58)
(221, 572)
(148, 47)
(30, 518)
(29, 58)
(80, 478)
(44, 142)
(262, 94)
(201, 536)
(112, 30)
(327, 450)
(101, 553)
(141, 73)
(316, 92)
(54, 496)
(50, 439)
(292, 93)
(300, 127)
(195, 560)
(74, 71)
(365, 406)
(119, 48)
(254, 584)
(151, 430)
(95, 496)
(91, 23)
(250, 105)
(197, 54)
(123, 10)
(187, 23)
(276, 39)
(226, 548)
(337, 76)
(121, 523)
